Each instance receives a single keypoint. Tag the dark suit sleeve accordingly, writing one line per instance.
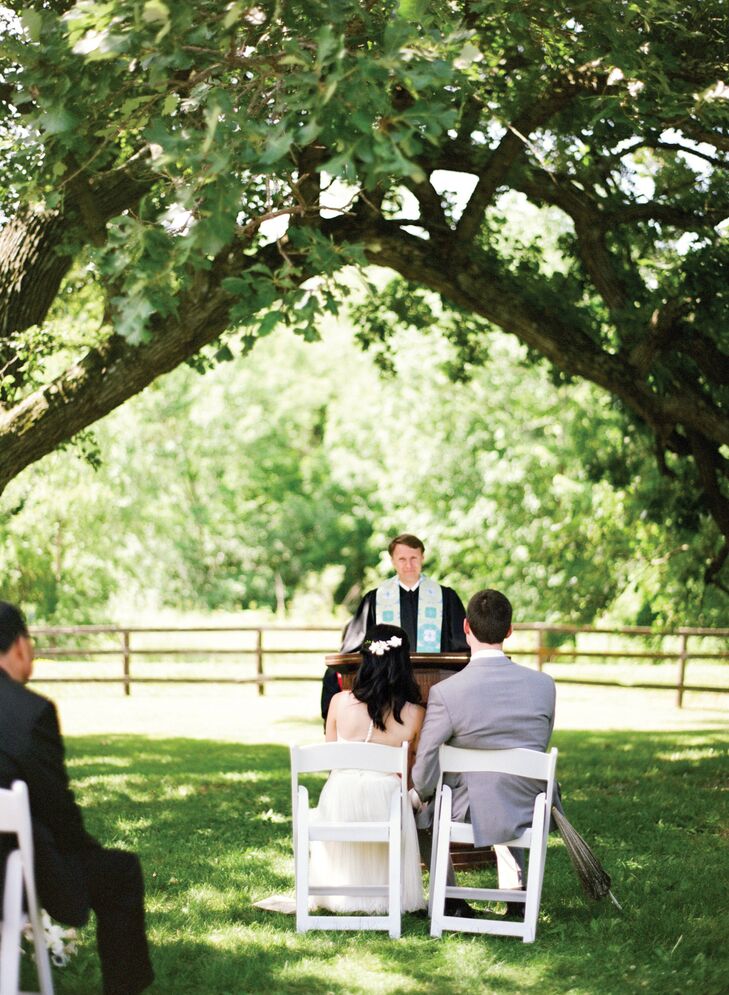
(51, 799)
(453, 638)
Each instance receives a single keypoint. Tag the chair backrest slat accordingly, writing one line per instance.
(520, 762)
(15, 814)
(338, 756)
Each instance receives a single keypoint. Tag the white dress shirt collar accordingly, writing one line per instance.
(487, 654)
(413, 588)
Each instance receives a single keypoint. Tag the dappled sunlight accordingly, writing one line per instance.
(213, 831)
(361, 971)
(107, 761)
(694, 753)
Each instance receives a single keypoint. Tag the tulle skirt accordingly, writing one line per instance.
(363, 796)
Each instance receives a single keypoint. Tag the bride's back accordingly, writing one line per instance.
(353, 722)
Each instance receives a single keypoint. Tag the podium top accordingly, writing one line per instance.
(347, 663)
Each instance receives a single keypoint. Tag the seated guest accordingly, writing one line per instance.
(431, 615)
(492, 704)
(73, 872)
(382, 707)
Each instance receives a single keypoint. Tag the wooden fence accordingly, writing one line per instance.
(544, 645)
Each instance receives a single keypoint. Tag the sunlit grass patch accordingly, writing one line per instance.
(211, 822)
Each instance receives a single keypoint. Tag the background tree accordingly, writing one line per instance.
(275, 480)
(144, 145)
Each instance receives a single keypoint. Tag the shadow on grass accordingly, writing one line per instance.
(211, 822)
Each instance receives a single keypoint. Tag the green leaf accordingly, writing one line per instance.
(276, 147)
(467, 56)
(57, 120)
(224, 354)
(32, 21)
(233, 14)
(308, 132)
(269, 322)
(155, 10)
(132, 315)
(170, 103)
(236, 285)
(411, 10)
(98, 45)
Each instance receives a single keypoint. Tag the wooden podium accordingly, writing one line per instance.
(429, 669)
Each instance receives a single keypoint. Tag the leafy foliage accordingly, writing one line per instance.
(148, 148)
(288, 469)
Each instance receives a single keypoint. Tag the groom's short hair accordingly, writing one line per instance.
(489, 616)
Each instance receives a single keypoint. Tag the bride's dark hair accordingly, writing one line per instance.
(384, 680)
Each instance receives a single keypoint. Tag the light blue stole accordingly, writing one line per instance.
(430, 611)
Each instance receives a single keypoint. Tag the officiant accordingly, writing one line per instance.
(431, 614)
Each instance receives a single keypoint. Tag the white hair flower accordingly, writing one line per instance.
(378, 647)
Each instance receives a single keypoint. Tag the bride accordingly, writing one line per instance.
(382, 707)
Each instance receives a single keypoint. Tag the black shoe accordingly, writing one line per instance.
(515, 911)
(460, 909)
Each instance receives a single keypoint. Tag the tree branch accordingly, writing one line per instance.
(37, 249)
(475, 281)
(499, 162)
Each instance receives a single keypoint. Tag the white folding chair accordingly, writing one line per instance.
(19, 878)
(523, 763)
(350, 756)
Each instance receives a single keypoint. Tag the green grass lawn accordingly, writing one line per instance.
(211, 822)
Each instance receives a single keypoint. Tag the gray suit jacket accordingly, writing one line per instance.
(492, 704)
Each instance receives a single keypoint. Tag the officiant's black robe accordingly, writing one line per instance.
(452, 636)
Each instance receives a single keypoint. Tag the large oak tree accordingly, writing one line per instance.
(144, 144)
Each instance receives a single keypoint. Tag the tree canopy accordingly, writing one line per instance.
(145, 147)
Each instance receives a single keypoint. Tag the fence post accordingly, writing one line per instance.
(542, 650)
(127, 658)
(682, 659)
(259, 661)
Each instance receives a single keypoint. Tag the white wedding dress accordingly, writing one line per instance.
(363, 796)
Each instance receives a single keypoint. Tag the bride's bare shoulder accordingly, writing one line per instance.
(412, 709)
(413, 714)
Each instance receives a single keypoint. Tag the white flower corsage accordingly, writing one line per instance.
(61, 942)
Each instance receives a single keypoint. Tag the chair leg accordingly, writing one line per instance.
(440, 858)
(302, 864)
(42, 960)
(11, 925)
(394, 848)
(433, 850)
(535, 873)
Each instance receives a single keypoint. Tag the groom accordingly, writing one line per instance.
(492, 704)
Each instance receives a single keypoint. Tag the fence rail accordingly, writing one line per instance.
(540, 643)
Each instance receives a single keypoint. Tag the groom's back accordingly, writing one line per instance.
(499, 705)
